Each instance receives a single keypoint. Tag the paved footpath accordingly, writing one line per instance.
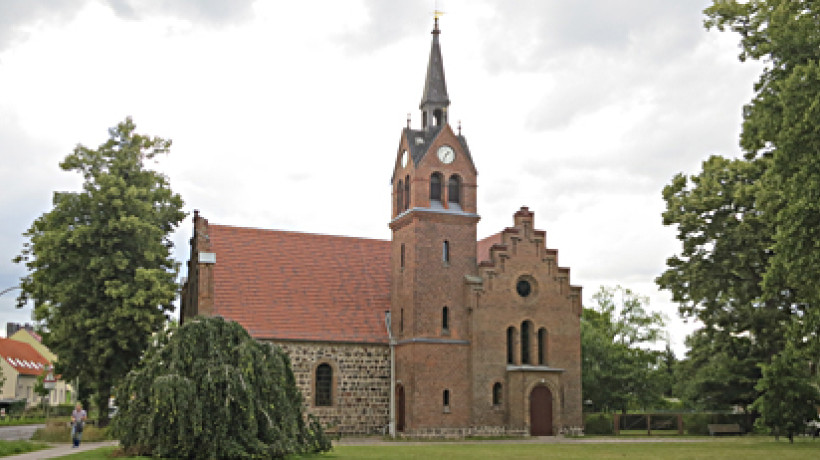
(61, 450)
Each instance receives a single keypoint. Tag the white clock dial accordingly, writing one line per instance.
(446, 154)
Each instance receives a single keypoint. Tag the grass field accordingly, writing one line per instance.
(19, 447)
(745, 448)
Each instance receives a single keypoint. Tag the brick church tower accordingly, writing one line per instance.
(433, 248)
(485, 334)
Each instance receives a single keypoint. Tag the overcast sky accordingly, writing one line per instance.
(287, 115)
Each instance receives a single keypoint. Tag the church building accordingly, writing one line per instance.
(431, 334)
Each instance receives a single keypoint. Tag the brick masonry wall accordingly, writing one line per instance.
(361, 383)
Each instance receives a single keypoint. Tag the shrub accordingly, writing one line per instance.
(208, 390)
(598, 424)
(697, 424)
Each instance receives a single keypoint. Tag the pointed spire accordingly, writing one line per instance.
(434, 100)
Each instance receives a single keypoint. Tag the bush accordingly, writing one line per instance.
(598, 424)
(61, 432)
(208, 390)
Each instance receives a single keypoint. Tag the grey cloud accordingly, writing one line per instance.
(387, 23)
(16, 14)
(531, 34)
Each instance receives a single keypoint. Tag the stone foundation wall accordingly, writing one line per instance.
(361, 383)
(460, 433)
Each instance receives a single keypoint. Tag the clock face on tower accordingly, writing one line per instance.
(446, 154)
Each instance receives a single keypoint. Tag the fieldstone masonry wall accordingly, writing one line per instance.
(361, 383)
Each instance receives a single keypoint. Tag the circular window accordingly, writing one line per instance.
(523, 287)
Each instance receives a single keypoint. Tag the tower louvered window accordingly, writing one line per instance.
(454, 189)
(435, 187)
(407, 192)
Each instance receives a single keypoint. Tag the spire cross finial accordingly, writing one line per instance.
(459, 127)
(436, 14)
(408, 120)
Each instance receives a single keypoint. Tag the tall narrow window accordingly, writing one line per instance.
(542, 346)
(446, 399)
(435, 187)
(445, 319)
(401, 321)
(497, 394)
(526, 327)
(324, 385)
(407, 192)
(510, 345)
(454, 189)
(402, 255)
(445, 251)
(399, 197)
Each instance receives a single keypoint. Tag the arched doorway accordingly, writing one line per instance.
(399, 408)
(541, 411)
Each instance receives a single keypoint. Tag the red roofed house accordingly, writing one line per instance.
(21, 364)
(432, 333)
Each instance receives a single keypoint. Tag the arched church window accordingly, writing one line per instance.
(497, 394)
(399, 197)
(454, 189)
(445, 319)
(407, 192)
(542, 346)
(510, 345)
(324, 385)
(435, 187)
(526, 330)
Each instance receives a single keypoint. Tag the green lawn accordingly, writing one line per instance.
(745, 448)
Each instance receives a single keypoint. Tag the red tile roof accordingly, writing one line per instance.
(483, 246)
(301, 286)
(22, 357)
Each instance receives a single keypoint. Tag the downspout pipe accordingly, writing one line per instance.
(391, 427)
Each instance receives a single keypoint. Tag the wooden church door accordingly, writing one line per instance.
(541, 411)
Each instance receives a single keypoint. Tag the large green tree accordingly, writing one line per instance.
(619, 370)
(788, 397)
(209, 390)
(100, 271)
(717, 280)
(780, 125)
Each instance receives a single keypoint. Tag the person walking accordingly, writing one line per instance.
(78, 417)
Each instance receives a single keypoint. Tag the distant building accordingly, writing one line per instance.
(433, 333)
(22, 359)
(11, 328)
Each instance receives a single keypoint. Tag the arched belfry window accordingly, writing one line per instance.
(526, 330)
(324, 385)
(542, 346)
(438, 116)
(435, 187)
(407, 192)
(445, 319)
(497, 394)
(454, 189)
(510, 345)
(399, 197)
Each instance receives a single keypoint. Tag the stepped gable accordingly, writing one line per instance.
(300, 286)
(495, 249)
(22, 357)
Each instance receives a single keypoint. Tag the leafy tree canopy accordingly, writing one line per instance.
(780, 124)
(208, 390)
(100, 271)
(619, 371)
(789, 397)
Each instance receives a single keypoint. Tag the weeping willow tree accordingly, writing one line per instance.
(208, 390)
